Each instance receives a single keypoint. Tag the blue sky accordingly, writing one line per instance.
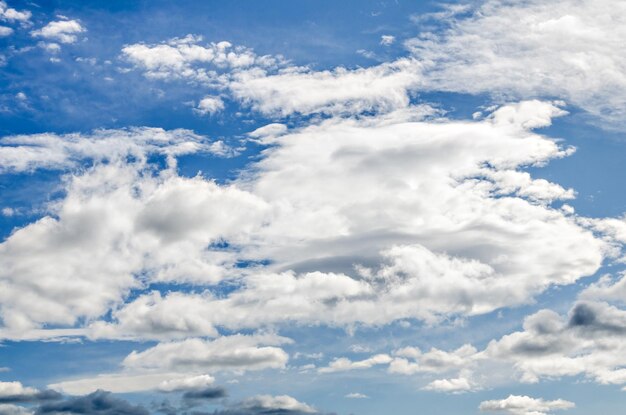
(312, 207)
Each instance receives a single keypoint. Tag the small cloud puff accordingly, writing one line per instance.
(64, 31)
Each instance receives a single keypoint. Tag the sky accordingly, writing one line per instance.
(312, 207)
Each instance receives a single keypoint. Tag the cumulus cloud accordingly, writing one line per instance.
(235, 353)
(376, 212)
(588, 342)
(5, 31)
(11, 15)
(524, 405)
(63, 31)
(439, 211)
(411, 360)
(186, 383)
(77, 234)
(608, 288)
(454, 385)
(268, 404)
(379, 88)
(209, 105)
(179, 366)
(567, 49)
(186, 58)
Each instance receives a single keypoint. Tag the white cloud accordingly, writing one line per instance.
(86, 236)
(9, 14)
(5, 31)
(129, 382)
(50, 151)
(50, 47)
(118, 383)
(269, 131)
(441, 221)
(455, 385)
(524, 405)
(187, 383)
(269, 85)
(381, 88)
(343, 364)
(63, 31)
(231, 353)
(568, 49)
(387, 40)
(607, 288)
(278, 404)
(410, 360)
(209, 105)
(589, 342)
(16, 388)
(356, 395)
(182, 365)
(185, 58)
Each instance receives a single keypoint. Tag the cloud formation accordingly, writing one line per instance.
(439, 211)
(568, 49)
(63, 31)
(9, 14)
(524, 405)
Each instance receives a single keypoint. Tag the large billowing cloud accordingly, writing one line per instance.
(403, 218)
(439, 221)
(96, 241)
